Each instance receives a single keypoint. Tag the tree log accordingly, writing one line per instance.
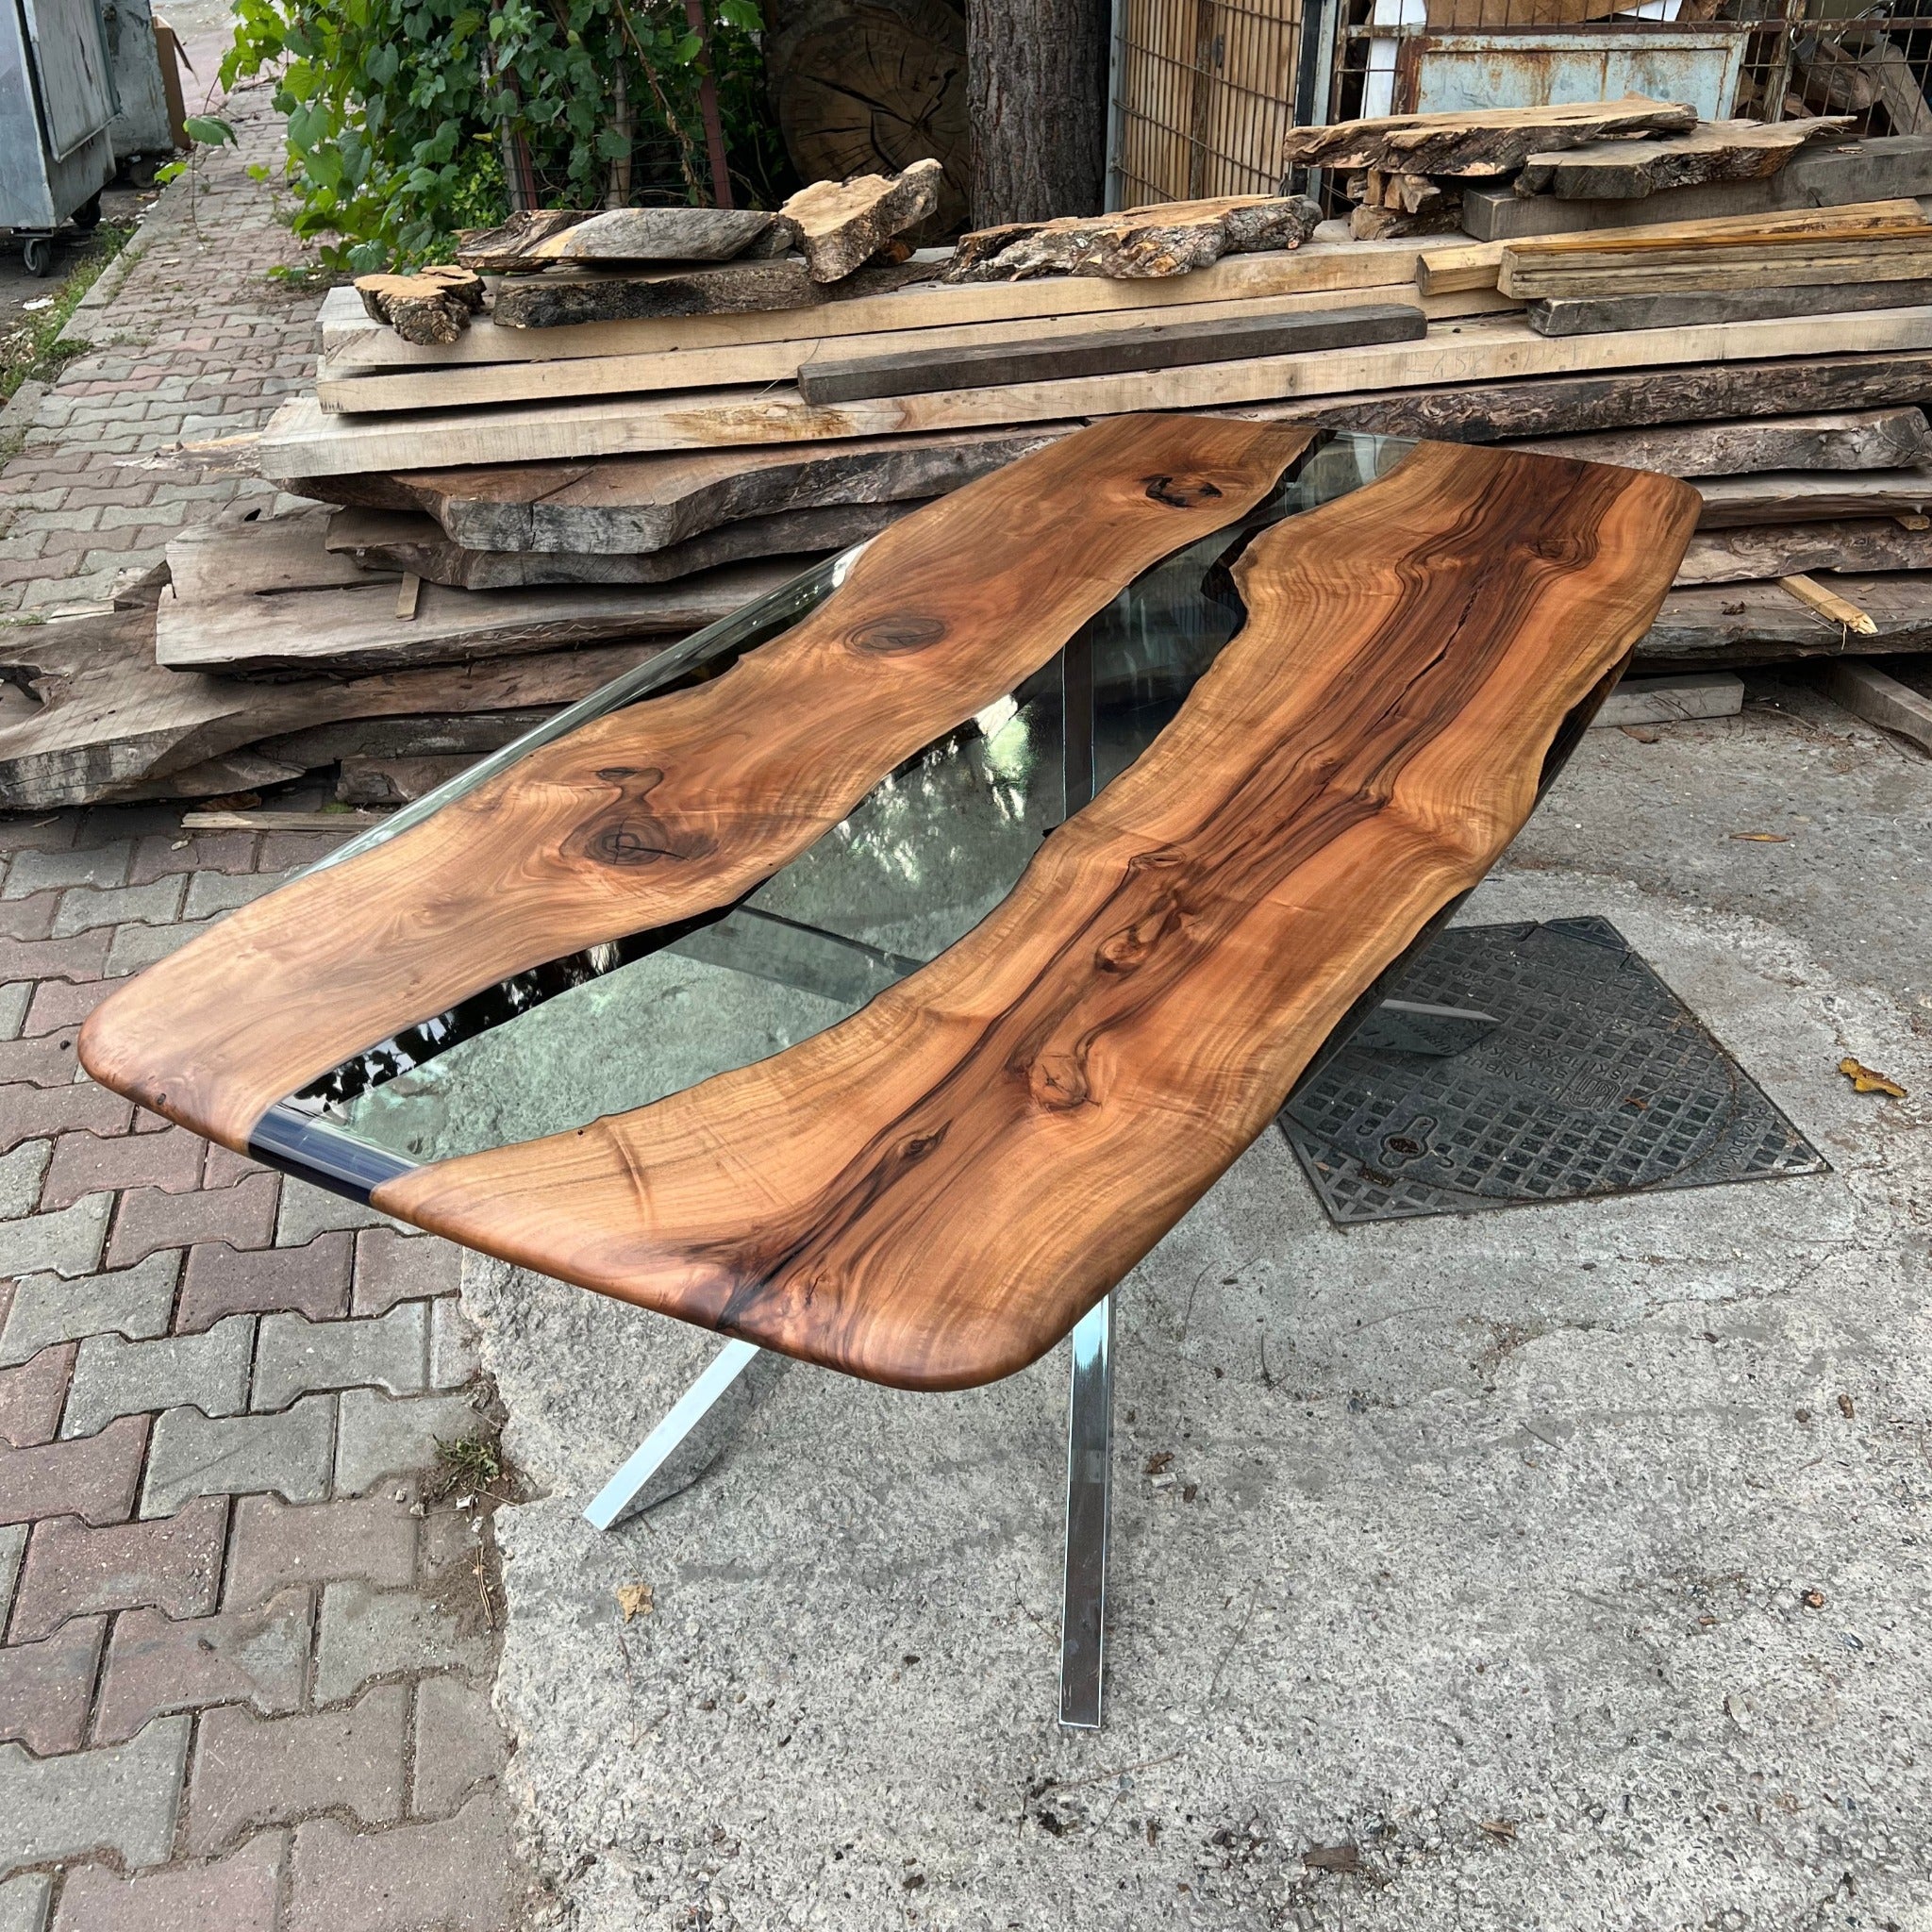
(1037, 107)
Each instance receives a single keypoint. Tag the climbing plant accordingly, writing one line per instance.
(397, 110)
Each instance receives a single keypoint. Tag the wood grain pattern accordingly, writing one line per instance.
(931, 1193)
(671, 807)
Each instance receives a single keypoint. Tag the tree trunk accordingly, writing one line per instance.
(1036, 76)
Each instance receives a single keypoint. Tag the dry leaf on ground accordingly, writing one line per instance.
(1869, 1080)
(635, 1600)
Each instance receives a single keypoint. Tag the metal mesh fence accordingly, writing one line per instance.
(1202, 90)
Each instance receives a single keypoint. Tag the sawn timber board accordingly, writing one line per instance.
(661, 811)
(301, 441)
(1097, 1051)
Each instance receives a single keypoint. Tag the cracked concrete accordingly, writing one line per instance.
(1557, 1568)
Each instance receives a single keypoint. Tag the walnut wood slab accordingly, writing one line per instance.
(679, 806)
(931, 1193)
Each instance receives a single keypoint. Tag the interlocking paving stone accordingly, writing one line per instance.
(455, 1346)
(94, 1479)
(23, 1173)
(134, 1302)
(222, 1167)
(134, 947)
(173, 1564)
(160, 853)
(83, 957)
(88, 1163)
(156, 1665)
(221, 1280)
(14, 1001)
(308, 1211)
(296, 1355)
(29, 1113)
(372, 1538)
(58, 1003)
(216, 891)
(368, 1633)
(395, 1435)
(122, 1799)
(83, 907)
(31, 1395)
(453, 1875)
(250, 1772)
(41, 1059)
(33, 871)
(46, 1686)
(116, 1378)
(391, 1267)
(239, 1893)
(194, 1455)
(68, 1242)
(24, 1902)
(12, 1548)
(149, 1218)
(459, 1744)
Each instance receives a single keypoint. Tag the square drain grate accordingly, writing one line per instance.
(1597, 1080)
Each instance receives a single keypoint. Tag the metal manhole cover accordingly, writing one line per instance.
(1597, 1080)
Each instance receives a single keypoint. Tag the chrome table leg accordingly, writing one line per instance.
(682, 1446)
(1089, 1458)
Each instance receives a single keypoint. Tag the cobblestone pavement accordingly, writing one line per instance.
(244, 1664)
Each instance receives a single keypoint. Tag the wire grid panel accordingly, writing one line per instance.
(1203, 93)
(1597, 1080)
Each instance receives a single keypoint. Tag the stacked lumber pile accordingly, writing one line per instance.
(617, 442)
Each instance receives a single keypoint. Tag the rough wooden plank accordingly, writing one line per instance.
(1098, 1051)
(506, 249)
(1140, 244)
(1876, 169)
(111, 719)
(468, 385)
(413, 542)
(1749, 623)
(848, 378)
(946, 612)
(350, 341)
(1713, 151)
(1843, 248)
(1451, 269)
(1796, 497)
(432, 306)
(637, 234)
(1868, 439)
(633, 504)
(436, 734)
(1868, 692)
(1689, 695)
(559, 299)
(841, 225)
(301, 442)
(395, 781)
(342, 821)
(1490, 141)
(1856, 545)
(1696, 309)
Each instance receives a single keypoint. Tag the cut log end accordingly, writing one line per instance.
(431, 308)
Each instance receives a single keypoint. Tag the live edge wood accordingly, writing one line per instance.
(1094, 1054)
(930, 1194)
(660, 812)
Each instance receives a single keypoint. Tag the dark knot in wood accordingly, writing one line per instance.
(628, 834)
(1181, 492)
(904, 632)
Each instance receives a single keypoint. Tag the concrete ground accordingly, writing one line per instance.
(1554, 1568)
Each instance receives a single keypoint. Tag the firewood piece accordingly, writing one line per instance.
(845, 379)
(1713, 151)
(1485, 142)
(944, 613)
(632, 505)
(727, 288)
(1829, 604)
(1168, 238)
(413, 542)
(508, 250)
(110, 720)
(1386, 224)
(843, 225)
(1857, 545)
(1868, 439)
(431, 306)
(1693, 308)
